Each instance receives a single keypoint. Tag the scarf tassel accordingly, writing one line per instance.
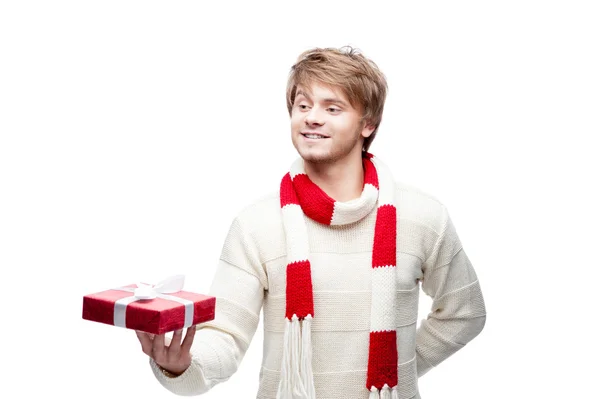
(296, 365)
(385, 393)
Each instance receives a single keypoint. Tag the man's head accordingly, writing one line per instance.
(320, 75)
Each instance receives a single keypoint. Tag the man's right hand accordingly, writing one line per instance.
(175, 357)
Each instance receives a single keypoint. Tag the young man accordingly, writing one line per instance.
(335, 257)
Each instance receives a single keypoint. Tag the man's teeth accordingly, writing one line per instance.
(314, 136)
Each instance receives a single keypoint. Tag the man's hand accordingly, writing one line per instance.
(176, 357)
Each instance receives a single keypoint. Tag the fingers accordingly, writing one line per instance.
(158, 345)
(186, 346)
(154, 345)
(146, 342)
(175, 344)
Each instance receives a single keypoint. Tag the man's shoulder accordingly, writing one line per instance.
(416, 192)
(419, 205)
(261, 211)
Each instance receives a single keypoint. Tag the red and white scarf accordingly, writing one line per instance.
(300, 196)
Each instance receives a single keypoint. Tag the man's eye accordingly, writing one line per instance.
(301, 106)
(334, 109)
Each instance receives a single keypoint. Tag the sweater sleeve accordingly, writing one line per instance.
(458, 310)
(220, 345)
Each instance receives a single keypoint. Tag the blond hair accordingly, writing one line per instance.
(346, 68)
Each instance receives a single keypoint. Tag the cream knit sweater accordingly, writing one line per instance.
(251, 274)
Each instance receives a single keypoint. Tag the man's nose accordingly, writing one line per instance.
(314, 117)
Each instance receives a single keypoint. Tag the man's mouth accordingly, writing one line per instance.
(316, 136)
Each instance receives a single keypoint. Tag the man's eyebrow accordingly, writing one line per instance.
(326, 100)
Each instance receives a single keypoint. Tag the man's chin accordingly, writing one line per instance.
(314, 158)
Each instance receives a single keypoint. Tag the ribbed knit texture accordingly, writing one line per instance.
(251, 275)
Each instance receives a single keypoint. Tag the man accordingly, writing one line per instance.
(336, 257)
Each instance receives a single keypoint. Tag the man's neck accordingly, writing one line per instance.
(343, 180)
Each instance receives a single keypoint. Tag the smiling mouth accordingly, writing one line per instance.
(314, 136)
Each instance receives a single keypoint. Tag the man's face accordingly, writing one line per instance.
(326, 112)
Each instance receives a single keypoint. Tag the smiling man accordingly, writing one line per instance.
(330, 150)
(335, 258)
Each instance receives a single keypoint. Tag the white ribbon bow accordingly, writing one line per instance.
(143, 291)
(169, 285)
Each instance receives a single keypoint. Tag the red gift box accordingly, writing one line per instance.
(155, 309)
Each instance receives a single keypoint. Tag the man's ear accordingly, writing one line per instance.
(368, 129)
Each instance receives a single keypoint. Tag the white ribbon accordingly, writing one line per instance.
(143, 291)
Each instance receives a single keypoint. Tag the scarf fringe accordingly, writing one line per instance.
(296, 364)
(385, 393)
(306, 373)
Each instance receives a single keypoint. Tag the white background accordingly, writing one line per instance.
(132, 132)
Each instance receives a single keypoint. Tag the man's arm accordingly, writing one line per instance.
(458, 310)
(220, 345)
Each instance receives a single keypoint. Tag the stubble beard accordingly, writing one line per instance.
(335, 153)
